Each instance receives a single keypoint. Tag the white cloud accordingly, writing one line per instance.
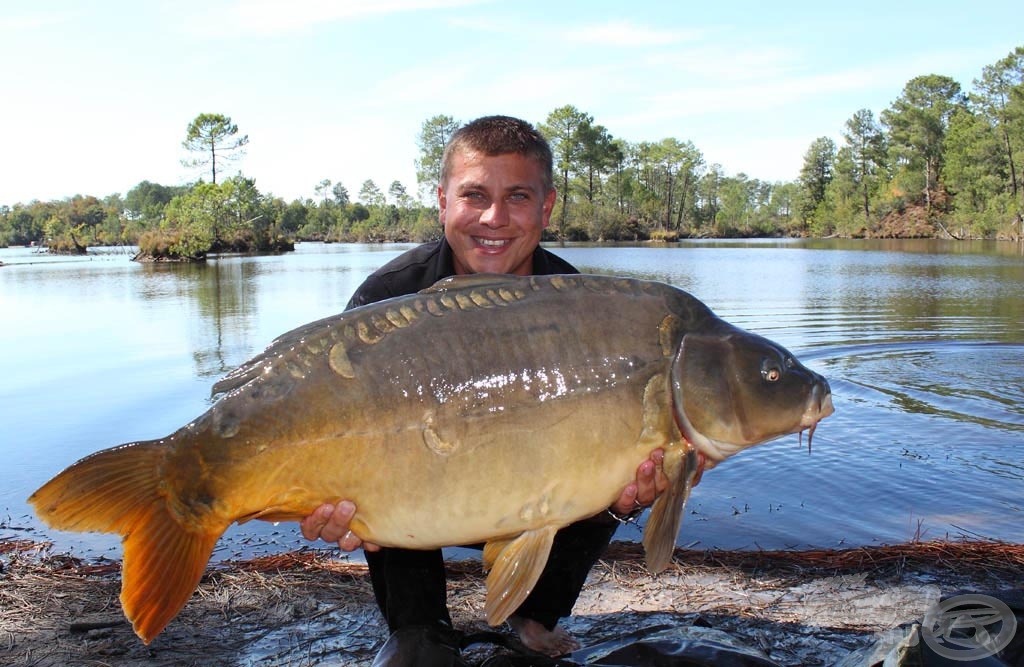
(627, 33)
(760, 95)
(274, 16)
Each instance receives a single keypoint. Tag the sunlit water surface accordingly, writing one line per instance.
(922, 342)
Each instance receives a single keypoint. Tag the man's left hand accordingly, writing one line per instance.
(650, 483)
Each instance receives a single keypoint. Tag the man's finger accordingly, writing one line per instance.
(337, 523)
(627, 500)
(646, 482)
(313, 525)
(349, 541)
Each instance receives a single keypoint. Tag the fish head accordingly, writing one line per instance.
(733, 389)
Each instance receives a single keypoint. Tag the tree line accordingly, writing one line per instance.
(938, 161)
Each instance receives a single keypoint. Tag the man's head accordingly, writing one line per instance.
(496, 195)
(497, 135)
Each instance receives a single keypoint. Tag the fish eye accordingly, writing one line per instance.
(770, 372)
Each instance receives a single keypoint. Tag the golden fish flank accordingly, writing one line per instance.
(394, 406)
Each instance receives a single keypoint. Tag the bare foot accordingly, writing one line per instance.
(538, 638)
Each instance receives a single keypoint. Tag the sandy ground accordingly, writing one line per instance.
(312, 608)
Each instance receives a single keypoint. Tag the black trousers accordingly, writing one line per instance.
(410, 586)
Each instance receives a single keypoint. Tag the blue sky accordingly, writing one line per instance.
(97, 96)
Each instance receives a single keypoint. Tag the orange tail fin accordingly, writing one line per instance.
(120, 490)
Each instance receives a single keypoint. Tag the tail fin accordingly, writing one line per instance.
(121, 490)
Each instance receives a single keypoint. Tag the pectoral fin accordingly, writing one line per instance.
(492, 550)
(515, 571)
(681, 466)
(276, 514)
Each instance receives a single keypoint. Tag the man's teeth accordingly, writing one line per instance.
(493, 243)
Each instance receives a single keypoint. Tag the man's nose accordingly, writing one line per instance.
(495, 215)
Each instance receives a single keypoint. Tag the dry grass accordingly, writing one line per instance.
(310, 607)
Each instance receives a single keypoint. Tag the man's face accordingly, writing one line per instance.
(493, 209)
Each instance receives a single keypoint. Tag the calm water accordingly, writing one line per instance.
(923, 343)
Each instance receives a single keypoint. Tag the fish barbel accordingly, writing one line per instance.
(492, 409)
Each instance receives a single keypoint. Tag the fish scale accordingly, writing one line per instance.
(492, 409)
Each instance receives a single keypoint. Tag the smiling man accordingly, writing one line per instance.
(494, 208)
(495, 199)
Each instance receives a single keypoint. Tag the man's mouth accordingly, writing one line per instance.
(491, 243)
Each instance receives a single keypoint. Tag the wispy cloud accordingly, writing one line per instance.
(36, 20)
(273, 16)
(627, 34)
(711, 61)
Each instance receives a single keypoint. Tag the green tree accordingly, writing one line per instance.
(621, 179)
(293, 217)
(1000, 98)
(340, 193)
(564, 129)
(675, 166)
(433, 137)
(213, 136)
(398, 195)
(917, 123)
(783, 203)
(708, 199)
(146, 201)
(745, 206)
(190, 221)
(598, 154)
(370, 194)
(323, 190)
(976, 170)
(217, 217)
(815, 175)
(21, 227)
(85, 211)
(866, 144)
(841, 210)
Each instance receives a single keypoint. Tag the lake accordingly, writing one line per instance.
(922, 342)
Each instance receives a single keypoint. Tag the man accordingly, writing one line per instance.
(495, 197)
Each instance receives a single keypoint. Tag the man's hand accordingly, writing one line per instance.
(331, 524)
(650, 483)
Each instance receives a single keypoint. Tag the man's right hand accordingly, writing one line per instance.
(330, 523)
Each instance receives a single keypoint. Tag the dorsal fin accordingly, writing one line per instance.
(470, 280)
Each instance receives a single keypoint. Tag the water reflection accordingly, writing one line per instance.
(922, 342)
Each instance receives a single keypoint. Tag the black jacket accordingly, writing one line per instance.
(409, 585)
(424, 265)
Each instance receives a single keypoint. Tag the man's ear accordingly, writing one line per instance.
(549, 205)
(442, 203)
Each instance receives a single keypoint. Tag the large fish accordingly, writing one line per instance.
(488, 408)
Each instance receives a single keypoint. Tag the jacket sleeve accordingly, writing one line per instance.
(371, 291)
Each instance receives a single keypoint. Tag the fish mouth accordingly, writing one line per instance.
(816, 411)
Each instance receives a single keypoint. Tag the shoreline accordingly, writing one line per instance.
(310, 607)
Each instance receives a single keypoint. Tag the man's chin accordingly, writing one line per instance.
(490, 263)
